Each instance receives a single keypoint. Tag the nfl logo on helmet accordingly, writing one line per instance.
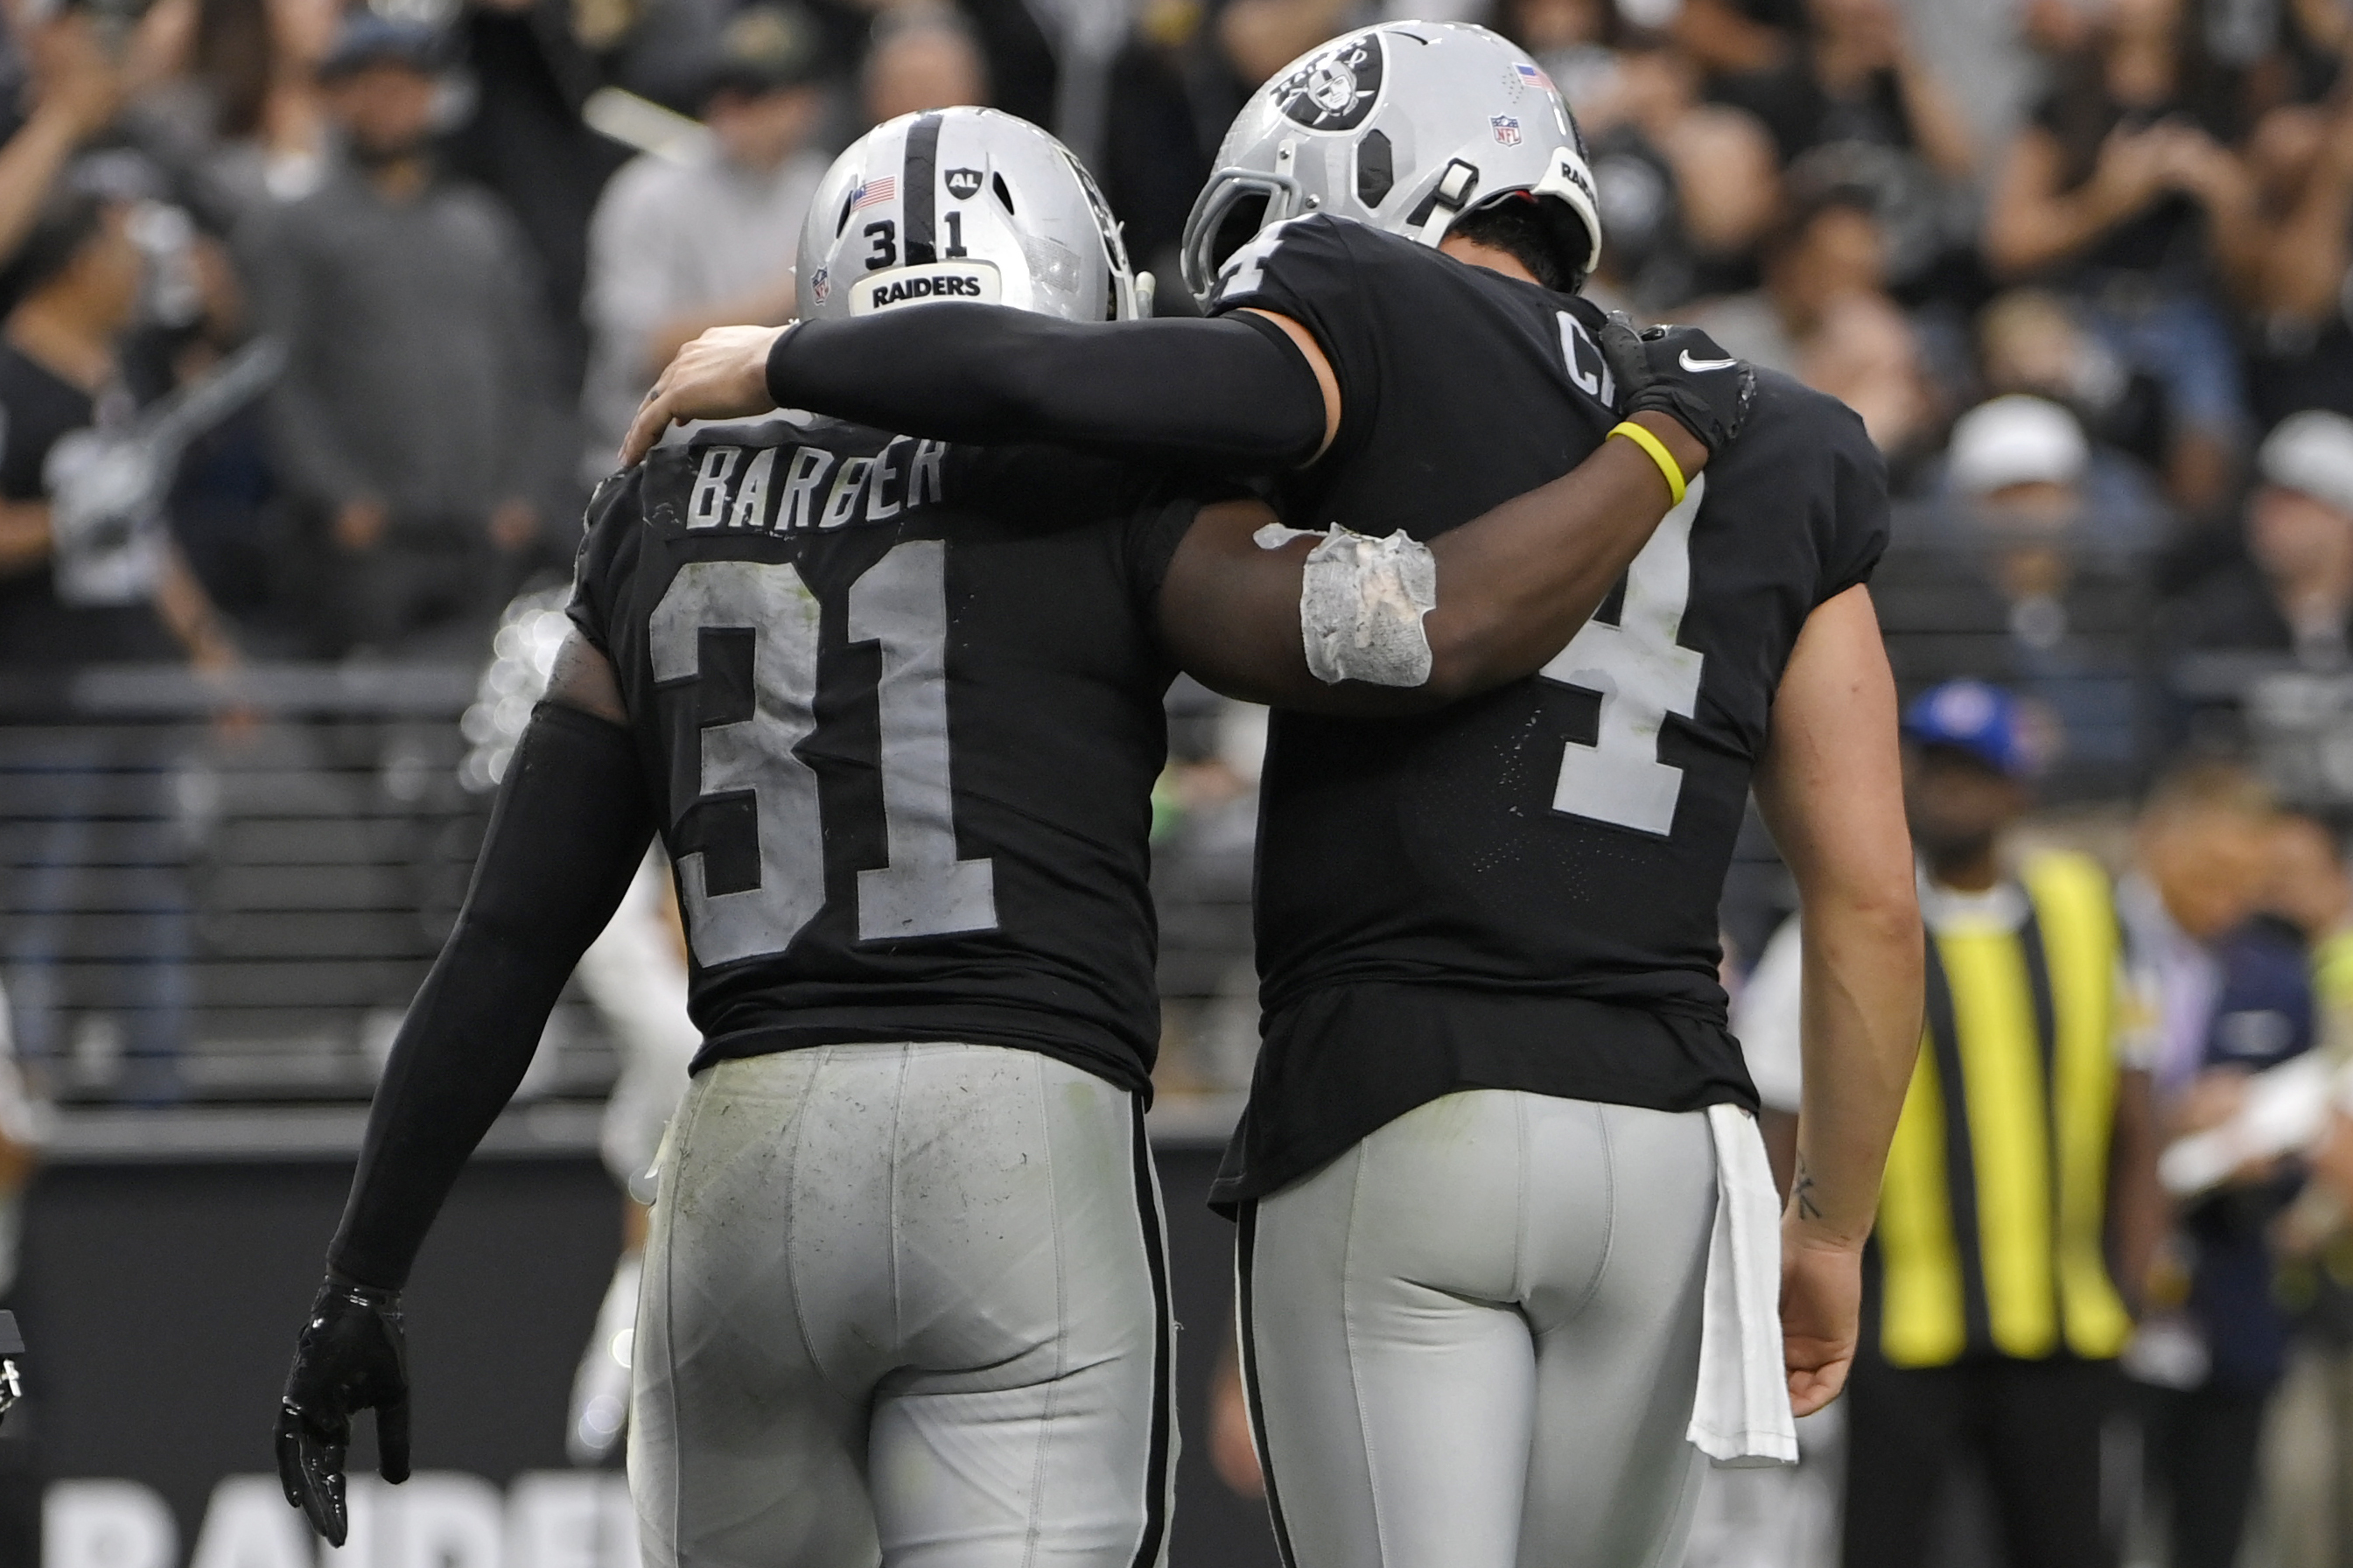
(1507, 129)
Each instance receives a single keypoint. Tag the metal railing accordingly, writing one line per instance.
(229, 895)
(2073, 629)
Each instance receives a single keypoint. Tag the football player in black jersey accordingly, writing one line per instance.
(894, 708)
(1495, 1181)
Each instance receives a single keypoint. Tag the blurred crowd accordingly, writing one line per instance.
(2083, 265)
(318, 322)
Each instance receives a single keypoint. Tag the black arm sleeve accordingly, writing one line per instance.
(571, 824)
(1219, 393)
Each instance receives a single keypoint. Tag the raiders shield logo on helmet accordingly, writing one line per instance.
(963, 184)
(1336, 90)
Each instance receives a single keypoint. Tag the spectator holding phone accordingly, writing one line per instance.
(2125, 190)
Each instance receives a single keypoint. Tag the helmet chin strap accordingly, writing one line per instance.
(1428, 221)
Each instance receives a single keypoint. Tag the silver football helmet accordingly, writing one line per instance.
(963, 204)
(1404, 126)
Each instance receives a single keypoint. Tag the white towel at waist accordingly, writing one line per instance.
(1741, 1414)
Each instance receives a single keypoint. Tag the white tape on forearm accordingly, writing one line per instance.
(1361, 600)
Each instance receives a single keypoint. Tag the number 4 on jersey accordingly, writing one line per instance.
(1641, 675)
(1245, 270)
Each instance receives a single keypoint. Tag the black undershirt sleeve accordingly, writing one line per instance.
(1219, 393)
(570, 826)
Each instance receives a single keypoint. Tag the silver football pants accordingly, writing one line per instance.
(903, 1304)
(1472, 1340)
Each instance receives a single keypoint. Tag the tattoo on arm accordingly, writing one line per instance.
(1801, 1193)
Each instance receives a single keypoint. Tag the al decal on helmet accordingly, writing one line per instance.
(1335, 90)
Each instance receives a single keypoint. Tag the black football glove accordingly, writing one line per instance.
(1679, 371)
(352, 1355)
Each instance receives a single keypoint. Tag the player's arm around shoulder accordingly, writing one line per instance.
(1340, 623)
(1241, 395)
(1327, 381)
(1831, 787)
(1218, 392)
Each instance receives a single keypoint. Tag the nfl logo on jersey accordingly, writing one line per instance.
(1507, 129)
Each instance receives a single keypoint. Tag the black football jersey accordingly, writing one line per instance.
(900, 705)
(1520, 891)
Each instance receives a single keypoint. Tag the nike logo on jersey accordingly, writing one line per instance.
(1706, 364)
(787, 488)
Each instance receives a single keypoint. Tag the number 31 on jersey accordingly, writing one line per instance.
(900, 603)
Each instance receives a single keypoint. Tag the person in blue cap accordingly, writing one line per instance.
(2020, 1204)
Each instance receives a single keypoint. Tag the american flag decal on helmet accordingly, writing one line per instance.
(1536, 75)
(874, 193)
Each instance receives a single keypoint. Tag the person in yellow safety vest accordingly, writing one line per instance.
(2020, 1207)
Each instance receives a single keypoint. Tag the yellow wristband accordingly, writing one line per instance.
(1658, 455)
